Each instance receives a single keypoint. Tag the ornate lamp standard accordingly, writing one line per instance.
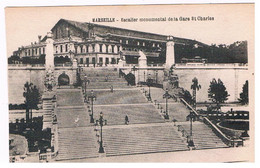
(191, 117)
(86, 81)
(156, 76)
(92, 98)
(134, 69)
(166, 96)
(149, 83)
(101, 122)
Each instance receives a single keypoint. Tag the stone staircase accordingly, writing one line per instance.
(203, 136)
(48, 106)
(103, 78)
(76, 140)
(141, 140)
(77, 144)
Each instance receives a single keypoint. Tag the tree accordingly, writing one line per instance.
(217, 92)
(244, 95)
(130, 78)
(32, 98)
(195, 86)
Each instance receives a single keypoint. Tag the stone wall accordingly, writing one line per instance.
(18, 76)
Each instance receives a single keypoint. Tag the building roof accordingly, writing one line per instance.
(102, 29)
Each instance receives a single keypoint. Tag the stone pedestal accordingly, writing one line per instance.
(49, 58)
(170, 57)
(121, 63)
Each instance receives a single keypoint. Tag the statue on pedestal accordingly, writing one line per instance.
(49, 80)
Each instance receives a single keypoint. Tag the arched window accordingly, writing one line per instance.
(104, 48)
(81, 49)
(90, 48)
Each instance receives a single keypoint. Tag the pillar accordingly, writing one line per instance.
(49, 58)
(170, 57)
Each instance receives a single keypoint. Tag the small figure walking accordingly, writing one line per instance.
(126, 120)
(106, 80)
(111, 88)
(76, 121)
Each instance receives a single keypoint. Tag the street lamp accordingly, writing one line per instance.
(156, 76)
(86, 81)
(144, 76)
(166, 96)
(92, 98)
(101, 122)
(149, 83)
(191, 117)
(134, 69)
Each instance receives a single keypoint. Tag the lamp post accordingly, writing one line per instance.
(92, 98)
(166, 96)
(144, 76)
(149, 82)
(86, 81)
(134, 69)
(101, 122)
(191, 117)
(156, 76)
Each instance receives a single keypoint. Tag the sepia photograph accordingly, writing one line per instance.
(131, 83)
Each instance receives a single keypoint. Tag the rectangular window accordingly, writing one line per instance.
(43, 51)
(66, 48)
(61, 50)
(40, 51)
(36, 51)
(81, 60)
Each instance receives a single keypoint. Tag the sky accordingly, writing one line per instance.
(232, 22)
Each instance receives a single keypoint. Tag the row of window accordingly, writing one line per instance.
(34, 51)
(61, 48)
(138, 43)
(100, 60)
(102, 48)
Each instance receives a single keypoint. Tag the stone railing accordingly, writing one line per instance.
(63, 65)
(26, 65)
(216, 130)
(209, 65)
(46, 157)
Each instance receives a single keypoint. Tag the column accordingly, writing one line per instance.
(170, 57)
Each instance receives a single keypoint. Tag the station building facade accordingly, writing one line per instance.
(99, 45)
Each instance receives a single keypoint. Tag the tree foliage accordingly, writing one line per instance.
(32, 98)
(195, 86)
(244, 95)
(217, 92)
(130, 78)
(222, 53)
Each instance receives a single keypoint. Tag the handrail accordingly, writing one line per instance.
(218, 132)
(189, 106)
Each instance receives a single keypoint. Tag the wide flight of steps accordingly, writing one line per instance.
(176, 110)
(103, 78)
(203, 136)
(142, 139)
(76, 140)
(77, 143)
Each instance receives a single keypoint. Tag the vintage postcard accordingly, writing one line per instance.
(131, 83)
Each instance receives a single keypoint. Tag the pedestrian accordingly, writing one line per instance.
(126, 120)
(111, 88)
